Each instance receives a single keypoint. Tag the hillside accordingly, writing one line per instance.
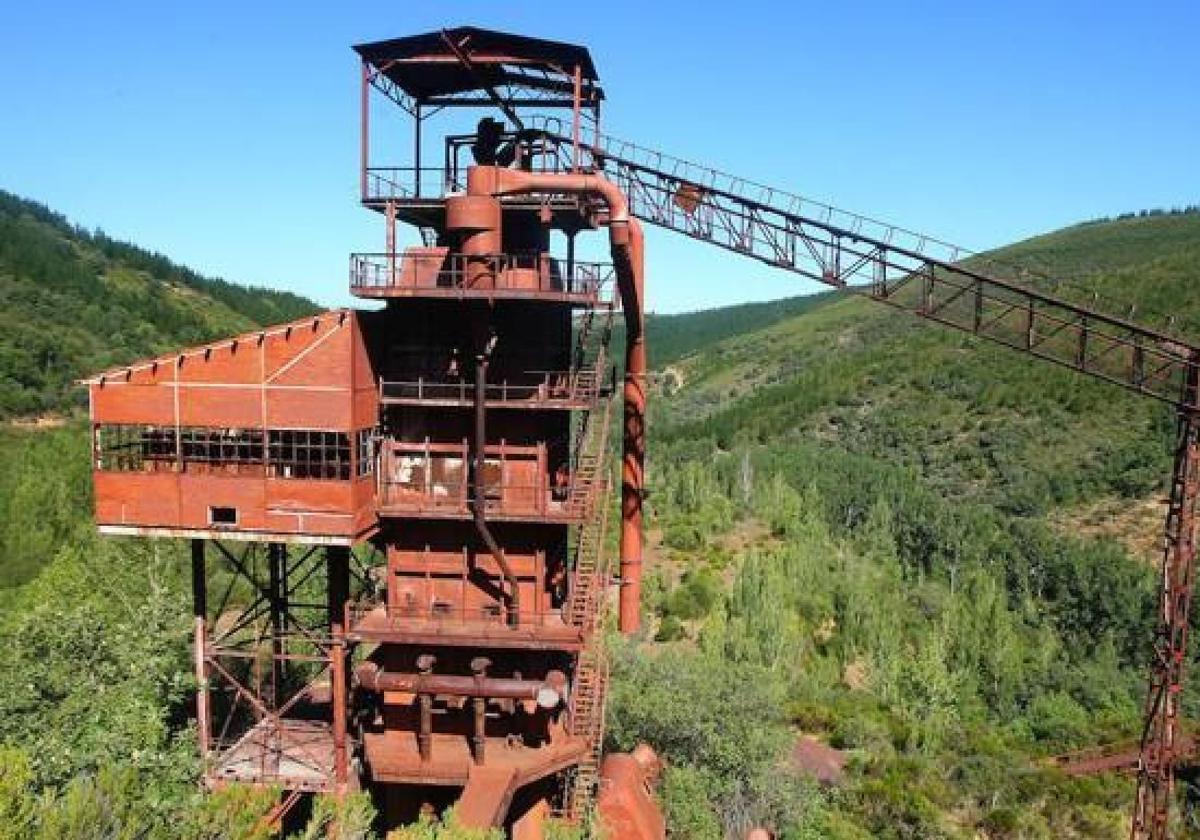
(973, 419)
(77, 301)
(674, 336)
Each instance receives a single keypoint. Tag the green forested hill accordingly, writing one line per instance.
(77, 301)
(675, 336)
(974, 419)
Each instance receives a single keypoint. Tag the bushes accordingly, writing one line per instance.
(695, 595)
(941, 641)
(720, 724)
(45, 497)
(688, 806)
(445, 829)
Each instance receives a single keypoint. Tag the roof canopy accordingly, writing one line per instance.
(447, 66)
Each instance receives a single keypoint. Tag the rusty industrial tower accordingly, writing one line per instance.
(398, 516)
(426, 481)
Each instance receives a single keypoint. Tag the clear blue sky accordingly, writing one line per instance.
(225, 134)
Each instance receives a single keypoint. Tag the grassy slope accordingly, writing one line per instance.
(76, 302)
(974, 419)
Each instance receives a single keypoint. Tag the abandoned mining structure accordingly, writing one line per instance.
(399, 515)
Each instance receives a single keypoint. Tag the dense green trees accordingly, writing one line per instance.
(930, 638)
(76, 302)
(45, 497)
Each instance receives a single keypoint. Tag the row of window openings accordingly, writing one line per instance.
(283, 453)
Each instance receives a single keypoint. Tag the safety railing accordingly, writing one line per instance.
(545, 390)
(404, 183)
(375, 615)
(538, 153)
(505, 275)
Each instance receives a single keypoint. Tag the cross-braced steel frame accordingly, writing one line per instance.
(1161, 749)
(271, 660)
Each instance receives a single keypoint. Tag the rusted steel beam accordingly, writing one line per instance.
(881, 262)
(200, 613)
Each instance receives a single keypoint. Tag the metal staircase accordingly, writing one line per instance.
(586, 720)
(590, 354)
(587, 576)
(586, 479)
(589, 488)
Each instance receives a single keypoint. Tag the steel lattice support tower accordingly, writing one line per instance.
(1160, 751)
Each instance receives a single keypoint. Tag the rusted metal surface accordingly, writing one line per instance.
(485, 674)
(427, 273)
(480, 528)
(626, 806)
(1122, 757)
(547, 692)
(254, 437)
(627, 242)
(267, 668)
(1161, 747)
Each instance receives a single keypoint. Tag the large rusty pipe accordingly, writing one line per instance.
(479, 666)
(496, 181)
(425, 730)
(479, 738)
(633, 442)
(479, 499)
(627, 243)
(548, 692)
(425, 663)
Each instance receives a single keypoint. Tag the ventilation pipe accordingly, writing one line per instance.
(479, 497)
(548, 693)
(626, 241)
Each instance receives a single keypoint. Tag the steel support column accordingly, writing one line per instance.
(337, 559)
(200, 613)
(1159, 751)
(278, 597)
(364, 140)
